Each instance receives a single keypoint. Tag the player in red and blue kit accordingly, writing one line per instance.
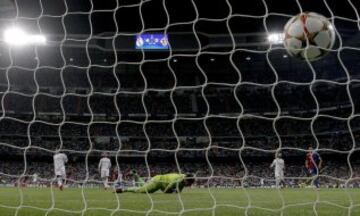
(313, 164)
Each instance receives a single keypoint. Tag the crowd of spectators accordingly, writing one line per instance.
(232, 174)
(213, 132)
(145, 110)
(215, 100)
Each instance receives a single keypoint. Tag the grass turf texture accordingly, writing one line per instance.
(197, 202)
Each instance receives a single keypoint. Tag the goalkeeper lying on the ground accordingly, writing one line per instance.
(168, 183)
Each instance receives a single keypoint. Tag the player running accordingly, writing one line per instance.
(313, 164)
(60, 159)
(168, 183)
(104, 169)
(279, 164)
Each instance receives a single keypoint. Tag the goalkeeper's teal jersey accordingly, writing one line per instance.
(166, 183)
(169, 180)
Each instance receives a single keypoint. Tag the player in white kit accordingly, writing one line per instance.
(104, 168)
(279, 164)
(35, 179)
(60, 159)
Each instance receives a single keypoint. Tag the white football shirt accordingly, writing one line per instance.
(104, 163)
(60, 159)
(279, 165)
(35, 177)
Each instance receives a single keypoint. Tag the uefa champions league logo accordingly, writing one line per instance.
(139, 42)
(152, 41)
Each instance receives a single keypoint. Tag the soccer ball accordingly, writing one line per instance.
(308, 36)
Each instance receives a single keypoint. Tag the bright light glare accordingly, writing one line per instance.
(276, 38)
(17, 37)
(38, 39)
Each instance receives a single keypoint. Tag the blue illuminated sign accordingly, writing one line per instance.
(150, 41)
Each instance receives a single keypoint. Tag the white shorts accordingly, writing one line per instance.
(104, 173)
(279, 175)
(60, 171)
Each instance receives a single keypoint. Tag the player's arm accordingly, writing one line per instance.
(320, 162)
(65, 158)
(284, 165)
(173, 186)
(272, 164)
(99, 166)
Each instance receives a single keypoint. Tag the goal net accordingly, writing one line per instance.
(190, 86)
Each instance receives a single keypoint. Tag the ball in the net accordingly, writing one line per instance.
(309, 36)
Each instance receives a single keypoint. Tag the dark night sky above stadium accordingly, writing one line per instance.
(123, 19)
(179, 11)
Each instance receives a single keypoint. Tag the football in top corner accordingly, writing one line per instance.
(309, 36)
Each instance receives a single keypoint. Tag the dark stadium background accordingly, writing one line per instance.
(93, 93)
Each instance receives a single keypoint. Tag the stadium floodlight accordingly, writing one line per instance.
(276, 38)
(17, 37)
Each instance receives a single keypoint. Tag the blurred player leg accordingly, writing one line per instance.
(317, 180)
(277, 182)
(105, 178)
(282, 181)
(106, 182)
(60, 159)
(59, 181)
(279, 178)
(60, 178)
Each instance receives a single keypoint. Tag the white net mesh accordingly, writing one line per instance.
(220, 102)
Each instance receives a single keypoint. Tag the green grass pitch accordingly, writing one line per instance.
(196, 202)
